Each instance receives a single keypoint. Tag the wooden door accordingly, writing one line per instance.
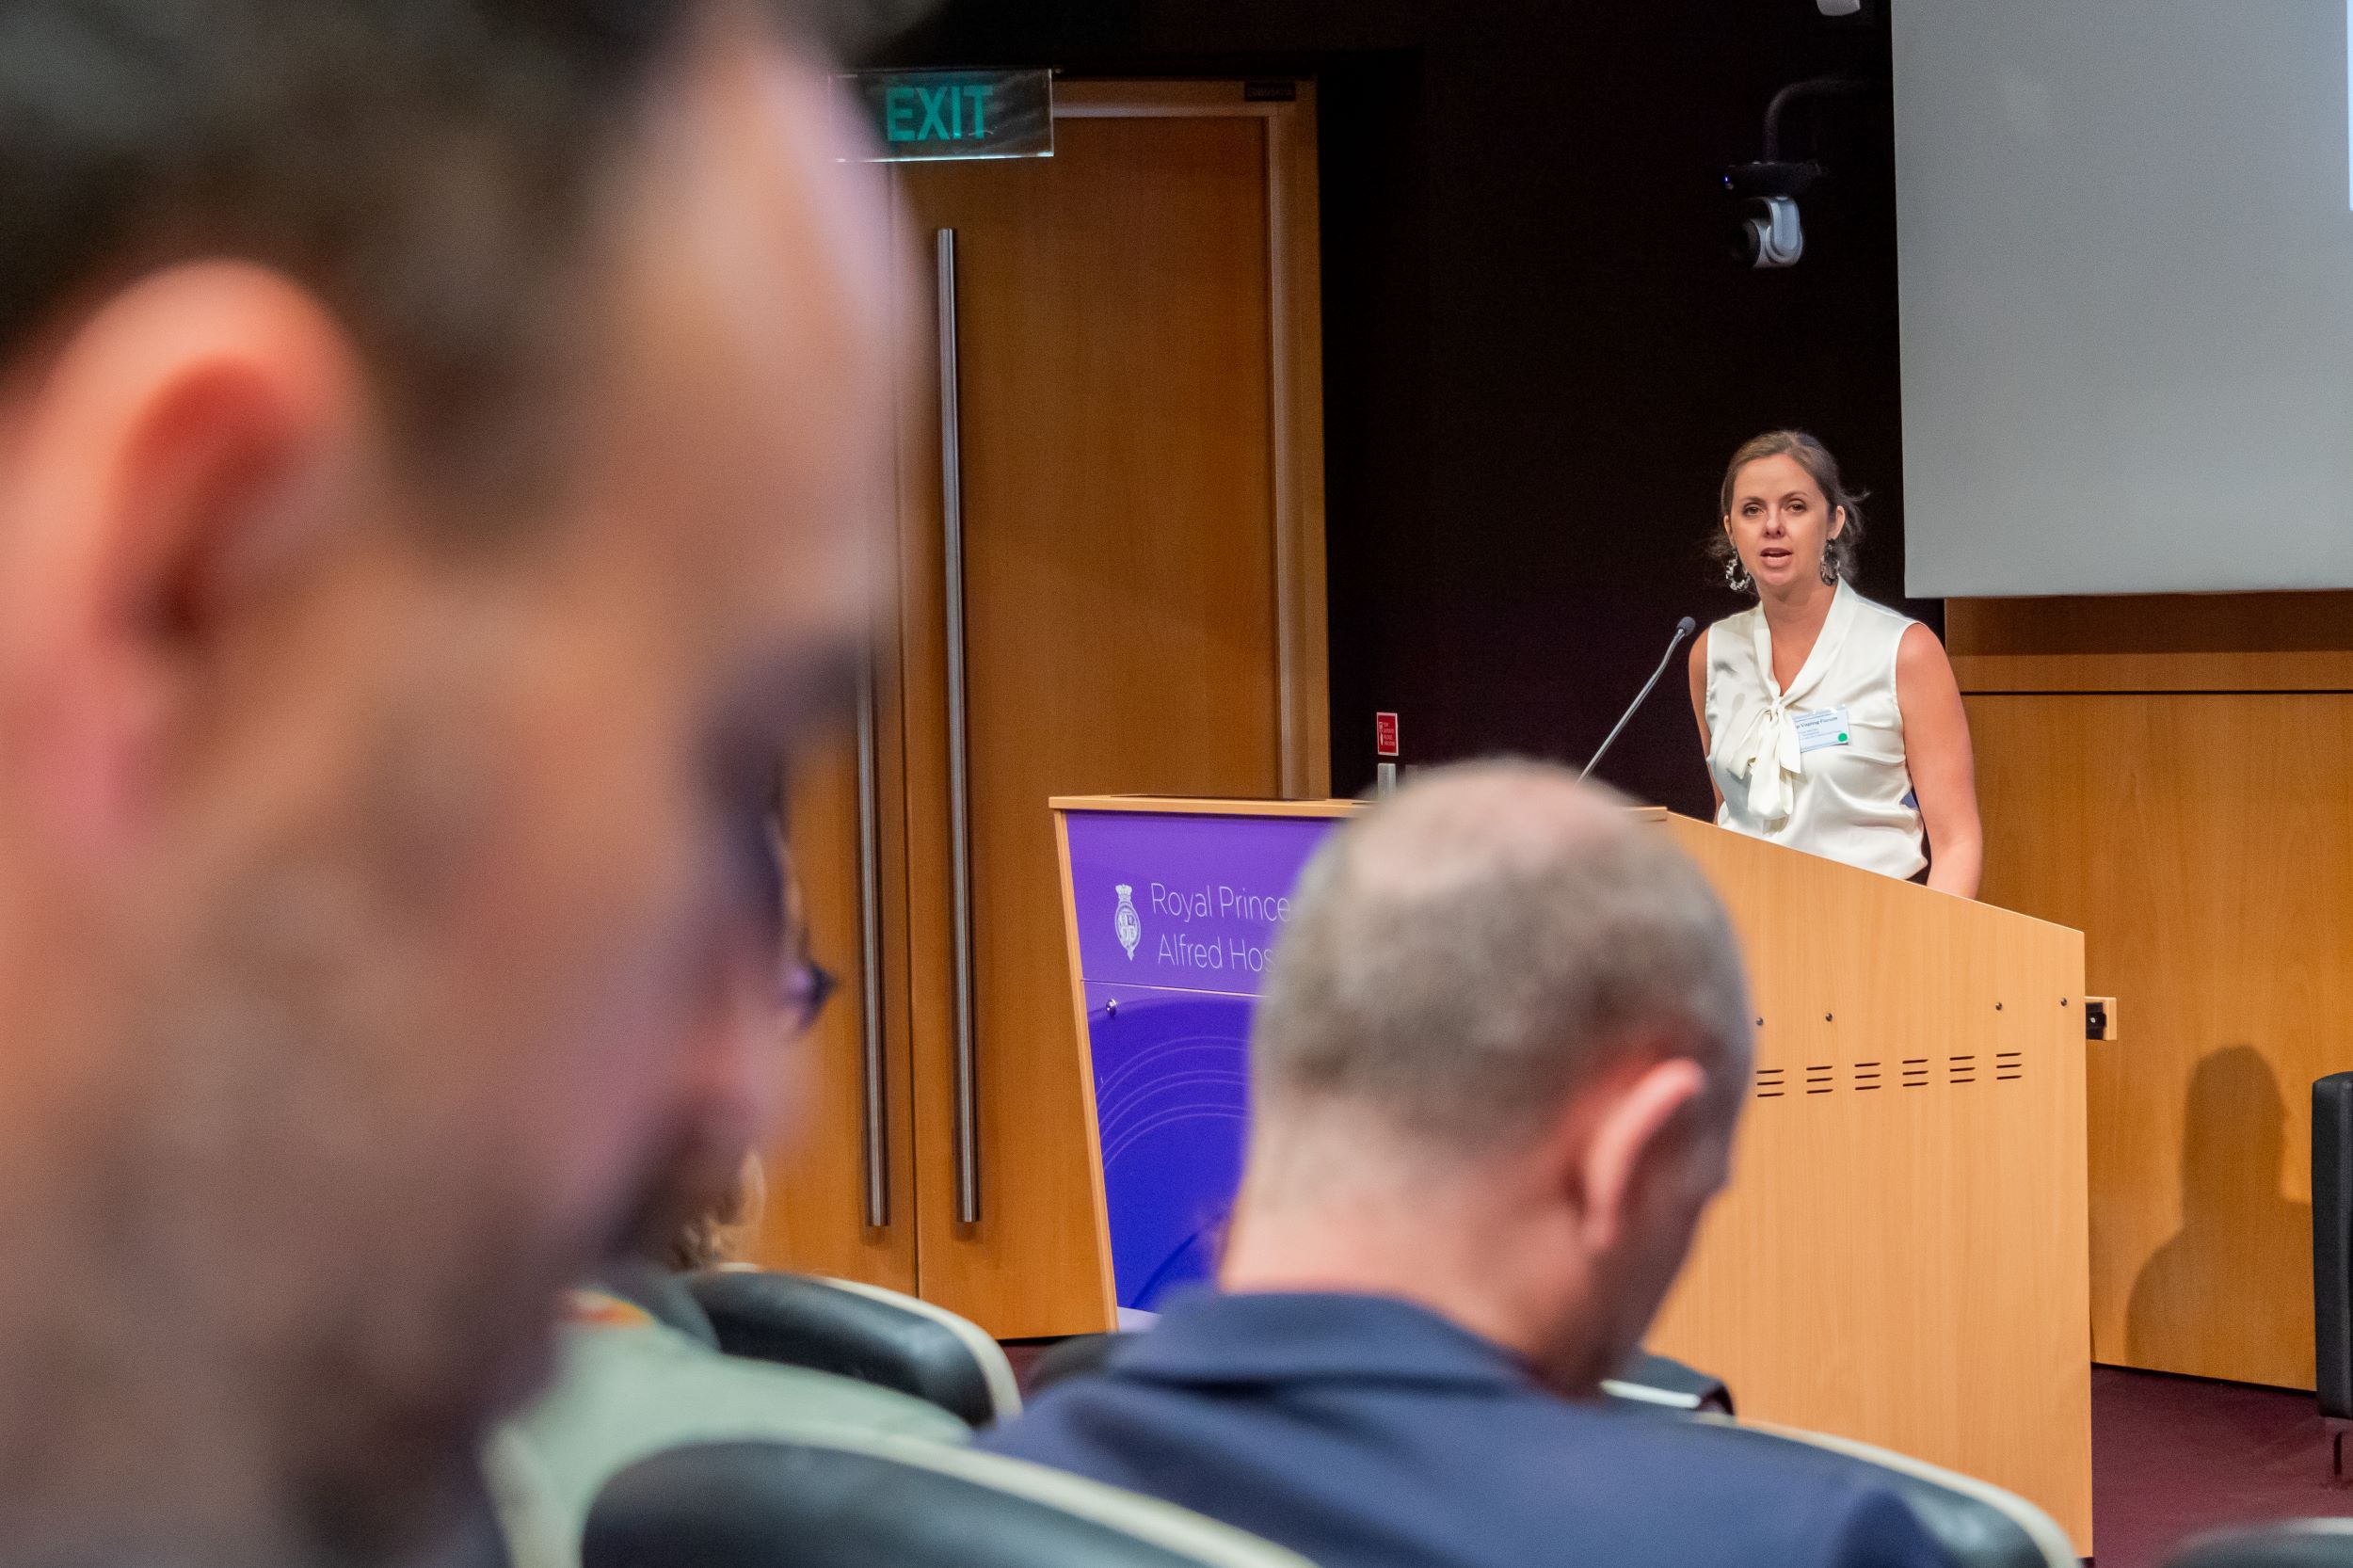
(1142, 577)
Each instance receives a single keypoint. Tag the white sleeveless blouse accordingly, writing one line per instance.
(1820, 767)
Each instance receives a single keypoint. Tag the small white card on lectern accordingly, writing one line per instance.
(1824, 727)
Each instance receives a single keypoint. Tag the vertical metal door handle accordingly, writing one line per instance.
(870, 956)
(968, 1120)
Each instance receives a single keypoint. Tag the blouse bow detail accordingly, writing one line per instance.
(1771, 760)
(1769, 755)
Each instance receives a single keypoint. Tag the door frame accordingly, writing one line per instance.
(1295, 335)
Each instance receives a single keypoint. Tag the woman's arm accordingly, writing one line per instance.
(1944, 770)
(1699, 709)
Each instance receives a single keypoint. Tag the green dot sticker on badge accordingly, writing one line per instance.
(1824, 727)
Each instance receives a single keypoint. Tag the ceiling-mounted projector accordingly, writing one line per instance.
(1767, 233)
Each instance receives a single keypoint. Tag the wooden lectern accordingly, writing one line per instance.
(1902, 1256)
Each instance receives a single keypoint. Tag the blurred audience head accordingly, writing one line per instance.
(433, 436)
(1497, 1065)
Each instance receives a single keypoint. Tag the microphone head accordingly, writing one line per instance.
(1685, 626)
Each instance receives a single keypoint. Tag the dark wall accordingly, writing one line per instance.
(1538, 353)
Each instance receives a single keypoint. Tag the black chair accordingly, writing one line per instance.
(1081, 1356)
(777, 1505)
(2332, 1257)
(2291, 1543)
(859, 1330)
(1979, 1524)
(1658, 1380)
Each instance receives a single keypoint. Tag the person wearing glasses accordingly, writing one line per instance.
(629, 1383)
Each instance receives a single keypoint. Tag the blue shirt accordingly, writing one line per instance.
(1367, 1432)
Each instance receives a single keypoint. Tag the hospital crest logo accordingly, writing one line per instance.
(1126, 921)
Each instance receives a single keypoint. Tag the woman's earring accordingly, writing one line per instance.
(1829, 565)
(1736, 575)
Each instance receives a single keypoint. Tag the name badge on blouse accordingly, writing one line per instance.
(1824, 727)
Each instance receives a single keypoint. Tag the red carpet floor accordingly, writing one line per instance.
(2172, 1457)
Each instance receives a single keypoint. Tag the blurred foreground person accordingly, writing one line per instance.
(1495, 1078)
(428, 438)
(629, 1384)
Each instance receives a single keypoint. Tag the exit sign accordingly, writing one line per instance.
(928, 115)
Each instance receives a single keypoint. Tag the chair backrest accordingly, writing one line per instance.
(1658, 1380)
(1979, 1524)
(861, 1332)
(779, 1505)
(1081, 1356)
(2332, 1243)
(2290, 1544)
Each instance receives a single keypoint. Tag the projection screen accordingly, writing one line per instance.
(2126, 241)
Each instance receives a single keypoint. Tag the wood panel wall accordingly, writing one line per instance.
(2174, 777)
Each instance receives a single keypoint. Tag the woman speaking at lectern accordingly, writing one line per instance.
(1830, 724)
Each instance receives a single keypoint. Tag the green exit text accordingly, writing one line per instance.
(933, 115)
(951, 113)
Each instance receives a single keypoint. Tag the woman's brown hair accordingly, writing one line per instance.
(1838, 554)
(723, 1233)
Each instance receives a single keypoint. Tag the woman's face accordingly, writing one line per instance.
(1780, 522)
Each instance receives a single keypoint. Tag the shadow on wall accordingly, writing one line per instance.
(2220, 1274)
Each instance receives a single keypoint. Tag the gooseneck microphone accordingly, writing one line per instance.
(1684, 628)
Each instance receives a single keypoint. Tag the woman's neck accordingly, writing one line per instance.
(1802, 608)
(1795, 618)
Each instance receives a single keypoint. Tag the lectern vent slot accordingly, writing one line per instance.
(1913, 1072)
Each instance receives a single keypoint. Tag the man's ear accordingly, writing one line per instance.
(163, 464)
(1641, 1122)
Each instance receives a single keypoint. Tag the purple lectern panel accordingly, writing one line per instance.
(1177, 917)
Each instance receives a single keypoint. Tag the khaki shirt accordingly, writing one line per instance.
(628, 1387)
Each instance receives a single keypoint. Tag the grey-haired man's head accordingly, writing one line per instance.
(1501, 988)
